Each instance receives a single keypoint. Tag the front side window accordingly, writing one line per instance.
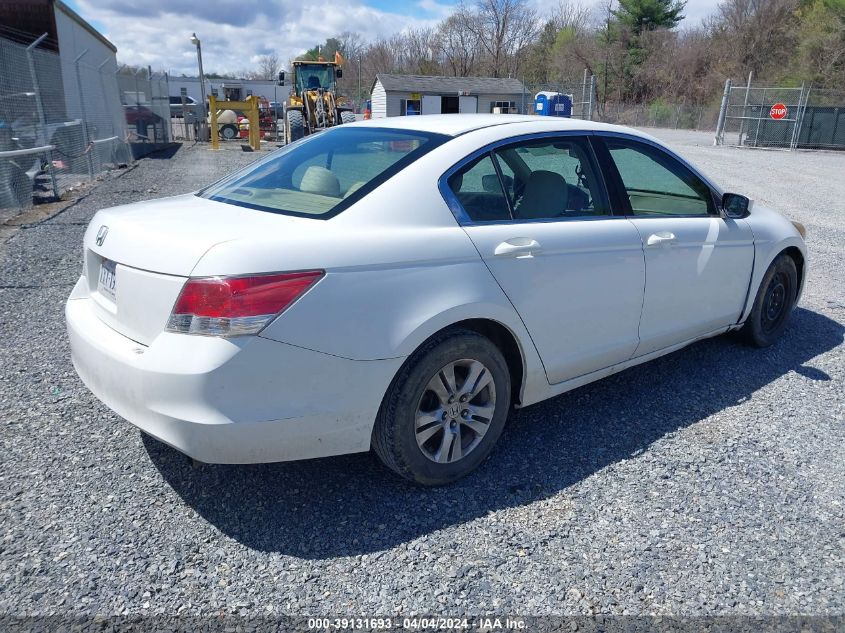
(552, 178)
(325, 173)
(656, 184)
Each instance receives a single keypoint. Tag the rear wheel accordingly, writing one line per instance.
(773, 303)
(347, 117)
(294, 126)
(445, 409)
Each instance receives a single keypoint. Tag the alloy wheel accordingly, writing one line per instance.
(455, 411)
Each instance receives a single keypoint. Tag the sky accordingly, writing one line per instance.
(235, 33)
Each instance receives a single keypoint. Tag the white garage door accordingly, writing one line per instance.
(468, 105)
(431, 104)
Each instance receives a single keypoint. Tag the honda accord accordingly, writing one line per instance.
(398, 285)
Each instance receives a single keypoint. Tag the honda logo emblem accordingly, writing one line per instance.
(101, 235)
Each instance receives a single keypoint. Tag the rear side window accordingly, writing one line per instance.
(326, 173)
(479, 190)
(656, 184)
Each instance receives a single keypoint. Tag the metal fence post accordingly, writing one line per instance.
(745, 106)
(85, 138)
(720, 126)
(583, 93)
(167, 93)
(590, 102)
(794, 140)
(103, 89)
(39, 105)
(802, 112)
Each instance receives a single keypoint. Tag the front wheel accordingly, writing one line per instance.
(294, 126)
(347, 117)
(773, 304)
(445, 409)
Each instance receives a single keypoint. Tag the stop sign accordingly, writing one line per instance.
(778, 111)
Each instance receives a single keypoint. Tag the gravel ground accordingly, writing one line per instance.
(708, 482)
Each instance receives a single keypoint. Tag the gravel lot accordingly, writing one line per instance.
(708, 482)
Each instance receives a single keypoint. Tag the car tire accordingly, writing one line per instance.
(428, 438)
(294, 126)
(773, 304)
(347, 117)
(229, 132)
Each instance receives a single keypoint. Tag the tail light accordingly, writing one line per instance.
(233, 306)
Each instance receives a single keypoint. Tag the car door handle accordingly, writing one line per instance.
(663, 238)
(518, 247)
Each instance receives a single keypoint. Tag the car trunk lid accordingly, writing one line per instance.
(138, 257)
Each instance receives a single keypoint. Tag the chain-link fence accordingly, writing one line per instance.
(777, 117)
(580, 92)
(759, 116)
(658, 113)
(146, 103)
(61, 122)
(184, 122)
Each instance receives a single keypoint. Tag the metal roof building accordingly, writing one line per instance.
(401, 95)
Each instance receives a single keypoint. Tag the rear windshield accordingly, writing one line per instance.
(325, 173)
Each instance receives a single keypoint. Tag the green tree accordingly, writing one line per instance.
(821, 42)
(647, 15)
(325, 50)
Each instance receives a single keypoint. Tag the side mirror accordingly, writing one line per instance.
(339, 73)
(736, 206)
(282, 78)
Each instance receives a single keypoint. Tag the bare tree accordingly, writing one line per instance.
(571, 15)
(351, 44)
(420, 46)
(504, 28)
(268, 66)
(754, 35)
(457, 46)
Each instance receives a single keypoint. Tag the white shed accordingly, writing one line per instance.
(401, 95)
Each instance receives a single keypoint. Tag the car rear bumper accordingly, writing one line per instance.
(240, 400)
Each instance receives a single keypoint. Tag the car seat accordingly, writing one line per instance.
(546, 196)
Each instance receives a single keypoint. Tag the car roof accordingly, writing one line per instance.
(457, 124)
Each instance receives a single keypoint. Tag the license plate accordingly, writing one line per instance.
(107, 282)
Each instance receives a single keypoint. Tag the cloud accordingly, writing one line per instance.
(438, 9)
(235, 32)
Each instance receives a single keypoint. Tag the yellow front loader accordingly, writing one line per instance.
(314, 104)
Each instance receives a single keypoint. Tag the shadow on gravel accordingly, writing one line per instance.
(154, 150)
(351, 505)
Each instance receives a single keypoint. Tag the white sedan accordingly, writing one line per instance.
(400, 284)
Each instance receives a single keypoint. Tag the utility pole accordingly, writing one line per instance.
(204, 120)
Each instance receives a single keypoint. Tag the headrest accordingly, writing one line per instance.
(320, 180)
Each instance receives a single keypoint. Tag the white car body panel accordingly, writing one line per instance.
(399, 268)
(189, 391)
(696, 283)
(773, 234)
(575, 258)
